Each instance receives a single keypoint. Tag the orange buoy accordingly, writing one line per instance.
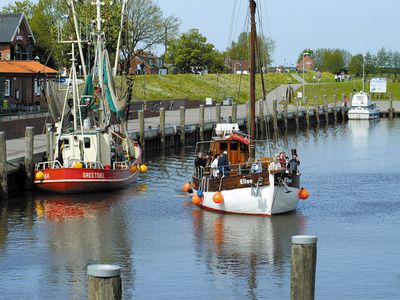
(186, 187)
(133, 168)
(143, 168)
(196, 200)
(303, 194)
(39, 175)
(218, 198)
(78, 165)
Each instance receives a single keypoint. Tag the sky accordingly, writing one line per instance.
(358, 26)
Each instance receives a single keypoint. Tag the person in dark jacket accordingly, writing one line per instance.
(223, 164)
(294, 163)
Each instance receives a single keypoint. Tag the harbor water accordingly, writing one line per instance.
(169, 249)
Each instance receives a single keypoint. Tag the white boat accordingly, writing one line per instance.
(362, 108)
(249, 185)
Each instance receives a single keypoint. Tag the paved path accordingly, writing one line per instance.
(16, 147)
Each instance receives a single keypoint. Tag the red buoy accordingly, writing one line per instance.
(218, 198)
(303, 194)
(196, 200)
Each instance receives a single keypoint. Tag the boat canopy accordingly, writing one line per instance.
(360, 99)
(223, 129)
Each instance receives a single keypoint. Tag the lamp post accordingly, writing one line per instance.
(304, 55)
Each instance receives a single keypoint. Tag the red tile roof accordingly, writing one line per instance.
(24, 67)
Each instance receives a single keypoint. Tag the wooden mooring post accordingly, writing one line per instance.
(162, 127)
(218, 113)
(234, 112)
(29, 136)
(275, 117)
(296, 111)
(343, 109)
(104, 282)
(326, 112)
(3, 166)
(201, 122)
(303, 266)
(49, 142)
(391, 110)
(285, 113)
(307, 111)
(316, 109)
(141, 128)
(182, 125)
(335, 108)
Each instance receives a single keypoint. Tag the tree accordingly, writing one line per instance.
(190, 50)
(310, 53)
(147, 27)
(383, 61)
(240, 50)
(26, 7)
(355, 65)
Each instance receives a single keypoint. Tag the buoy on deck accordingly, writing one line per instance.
(133, 168)
(39, 175)
(218, 198)
(143, 168)
(303, 194)
(186, 187)
(196, 200)
(200, 193)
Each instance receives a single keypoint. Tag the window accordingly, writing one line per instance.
(86, 141)
(37, 87)
(7, 87)
(1, 55)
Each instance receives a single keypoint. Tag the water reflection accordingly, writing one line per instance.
(245, 246)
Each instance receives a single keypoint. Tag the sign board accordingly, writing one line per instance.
(209, 101)
(299, 95)
(377, 85)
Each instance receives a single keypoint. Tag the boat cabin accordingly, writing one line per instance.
(361, 99)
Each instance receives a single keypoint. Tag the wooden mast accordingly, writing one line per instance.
(252, 79)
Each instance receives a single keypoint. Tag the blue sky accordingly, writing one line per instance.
(356, 25)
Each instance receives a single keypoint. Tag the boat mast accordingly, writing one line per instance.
(252, 78)
(363, 73)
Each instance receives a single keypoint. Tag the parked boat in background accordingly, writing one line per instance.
(91, 148)
(362, 108)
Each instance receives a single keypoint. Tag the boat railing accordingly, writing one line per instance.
(232, 169)
(121, 165)
(48, 165)
(94, 165)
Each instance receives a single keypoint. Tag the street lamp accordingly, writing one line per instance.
(304, 55)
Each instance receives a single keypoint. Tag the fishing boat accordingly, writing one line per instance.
(245, 184)
(91, 150)
(362, 108)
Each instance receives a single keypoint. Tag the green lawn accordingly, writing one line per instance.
(190, 86)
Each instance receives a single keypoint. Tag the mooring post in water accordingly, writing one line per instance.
(218, 113)
(390, 106)
(343, 108)
(307, 111)
(335, 108)
(303, 266)
(162, 127)
(141, 127)
(201, 122)
(104, 282)
(262, 119)
(234, 112)
(3, 166)
(182, 125)
(285, 112)
(49, 142)
(316, 109)
(326, 112)
(29, 134)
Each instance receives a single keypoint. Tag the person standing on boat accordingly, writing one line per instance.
(214, 166)
(223, 164)
(283, 159)
(294, 163)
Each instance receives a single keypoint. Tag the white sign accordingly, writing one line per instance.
(209, 101)
(299, 94)
(377, 85)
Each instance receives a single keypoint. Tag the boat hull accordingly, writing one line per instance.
(74, 180)
(357, 114)
(265, 200)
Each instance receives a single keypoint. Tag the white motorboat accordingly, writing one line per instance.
(362, 108)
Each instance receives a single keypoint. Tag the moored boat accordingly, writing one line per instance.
(91, 150)
(362, 108)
